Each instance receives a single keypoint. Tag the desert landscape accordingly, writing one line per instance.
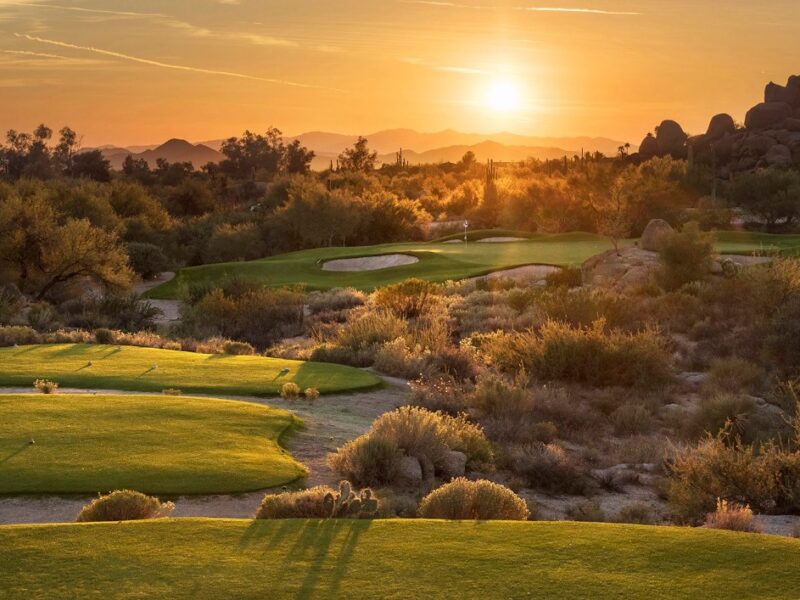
(483, 324)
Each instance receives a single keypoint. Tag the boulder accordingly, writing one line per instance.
(775, 93)
(409, 472)
(619, 271)
(649, 147)
(792, 124)
(699, 143)
(720, 126)
(757, 144)
(671, 139)
(652, 234)
(779, 156)
(767, 114)
(454, 464)
(793, 91)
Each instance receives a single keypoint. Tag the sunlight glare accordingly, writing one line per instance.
(503, 96)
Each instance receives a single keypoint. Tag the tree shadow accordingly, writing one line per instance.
(16, 452)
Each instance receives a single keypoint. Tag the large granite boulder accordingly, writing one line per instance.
(790, 93)
(720, 126)
(454, 464)
(767, 115)
(671, 139)
(409, 472)
(652, 234)
(649, 147)
(628, 268)
(778, 156)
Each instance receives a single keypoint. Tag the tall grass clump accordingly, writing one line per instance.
(124, 505)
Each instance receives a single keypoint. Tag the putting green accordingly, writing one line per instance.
(154, 444)
(153, 370)
(439, 261)
(202, 559)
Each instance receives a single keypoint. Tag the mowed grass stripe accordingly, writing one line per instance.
(208, 559)
(153, 370)
(440, 261)
(154, 444)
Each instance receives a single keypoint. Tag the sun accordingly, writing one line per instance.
(503, 96)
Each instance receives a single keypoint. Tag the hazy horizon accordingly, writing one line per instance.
(136, 73)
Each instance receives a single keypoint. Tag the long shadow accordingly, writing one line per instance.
(20, 450)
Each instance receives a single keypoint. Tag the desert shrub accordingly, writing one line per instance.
(685, 256)
(408, 299)
(311, 393)
(11, 335)
(473, 500)
(126, 312)
(766, 478)
(429, 436)
(782, 339)
(582, 307)
(45, 386)
(587, 510)
(290, 390)
(172, 345)
(732, 516)
(639, 513)
(238, 348)
(458, 363)
(495, 395)
(147, 260)
(343, 355)
(548, 467)
(303, 504)
(104, 336)
(721, 411)
(42, 316)
(631, 419)
(397, 360)
(521, 299)
(371, 330)
(585, 355)
(568, 277)
(124, 505)
(12, 301)
(320, 502)
(367, 460)
(735, 375)
(339, 299)
(438, 394)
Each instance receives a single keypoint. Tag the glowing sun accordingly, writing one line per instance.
(503, 96)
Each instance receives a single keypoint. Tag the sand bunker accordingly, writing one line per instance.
(526, 273)
(500, 240)
(369, 263)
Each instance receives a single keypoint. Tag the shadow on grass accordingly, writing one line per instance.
(16, 452)
(322, 549)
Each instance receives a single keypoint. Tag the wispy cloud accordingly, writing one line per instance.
(542, 9)
(163, 65)
(96, 11)
(444, 68)
(27, 58)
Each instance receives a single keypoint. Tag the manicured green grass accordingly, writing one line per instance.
(437, 262)
(211, 559)
(440, 261)
(153, 370)
(154, 444)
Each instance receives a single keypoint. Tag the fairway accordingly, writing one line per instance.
(153, 370)
(154, 444)
(208, 559)
(439, 261)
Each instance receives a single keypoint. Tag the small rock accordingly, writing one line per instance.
(454, 464)
(653, 233)
(409, 472)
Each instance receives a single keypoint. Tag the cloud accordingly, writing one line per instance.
(163, 65)
(97, 11)
(445, 68)
(29, 58)
(542, 9)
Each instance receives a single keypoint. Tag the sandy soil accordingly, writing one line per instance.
(501, 240)
(369, 263)
(329, 422)
(171, 309)
(526, 273)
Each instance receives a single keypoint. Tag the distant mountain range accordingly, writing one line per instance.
(418, 148)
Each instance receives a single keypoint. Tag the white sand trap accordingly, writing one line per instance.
(526, 273)
(500, 240)
(453, 242)
(369, 263)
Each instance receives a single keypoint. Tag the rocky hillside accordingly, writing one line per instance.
(770, 136)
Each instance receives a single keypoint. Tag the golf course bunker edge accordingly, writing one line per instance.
(369, 263)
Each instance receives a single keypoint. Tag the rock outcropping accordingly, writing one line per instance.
(770, 136)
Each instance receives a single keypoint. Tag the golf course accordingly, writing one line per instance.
(443, 260)
(203, 558)
(60, 444)
(138, 369)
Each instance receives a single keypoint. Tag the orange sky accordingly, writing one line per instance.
(138, 72)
